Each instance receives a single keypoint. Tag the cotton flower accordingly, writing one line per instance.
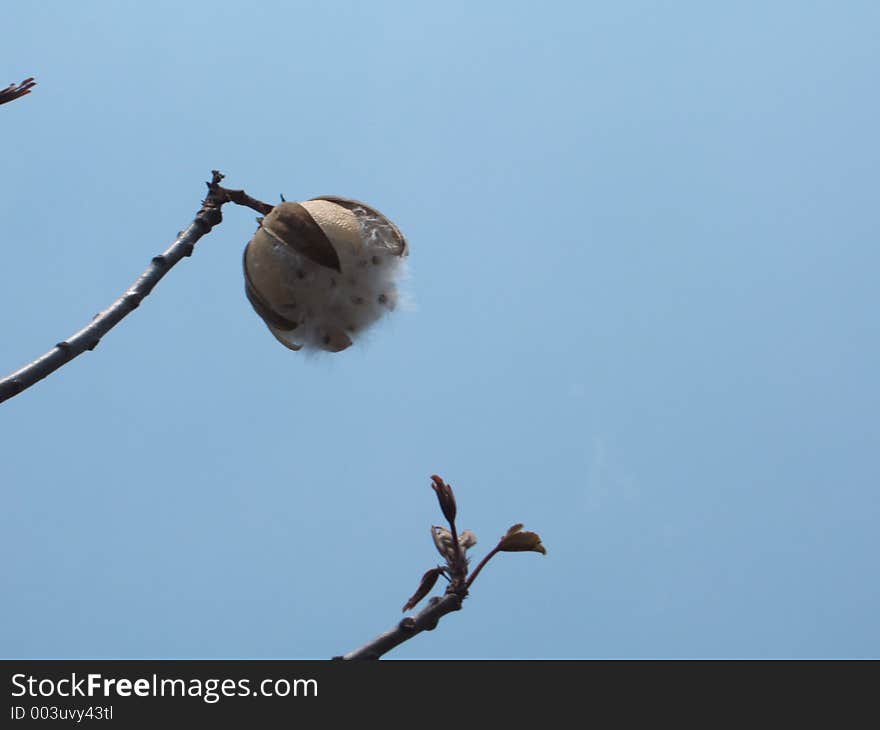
(322, 271)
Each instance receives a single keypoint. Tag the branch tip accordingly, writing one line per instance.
(445, 497)
(208, 216)
(15, 91)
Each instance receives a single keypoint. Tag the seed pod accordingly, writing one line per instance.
(322, 271)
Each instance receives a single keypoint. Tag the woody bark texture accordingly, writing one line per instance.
(208, 216)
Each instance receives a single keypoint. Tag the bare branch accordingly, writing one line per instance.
(13, 91)
(208, 216)
(425, 620)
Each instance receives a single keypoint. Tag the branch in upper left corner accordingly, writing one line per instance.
(13, 91)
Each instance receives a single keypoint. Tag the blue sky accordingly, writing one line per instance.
(644, 265)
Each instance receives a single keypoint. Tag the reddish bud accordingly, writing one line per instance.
(445, 497)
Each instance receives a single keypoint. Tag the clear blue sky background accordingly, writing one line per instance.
(645, 267)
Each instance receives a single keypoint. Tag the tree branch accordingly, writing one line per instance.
(452, 547)
(14, 91)
(425, 620)
(89, 336)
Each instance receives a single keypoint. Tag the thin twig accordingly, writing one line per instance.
(89, 336)
(425, 620)
(239, 197)
(489, 556)
(14, 91)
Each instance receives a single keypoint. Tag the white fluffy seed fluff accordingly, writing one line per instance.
(328, 308)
